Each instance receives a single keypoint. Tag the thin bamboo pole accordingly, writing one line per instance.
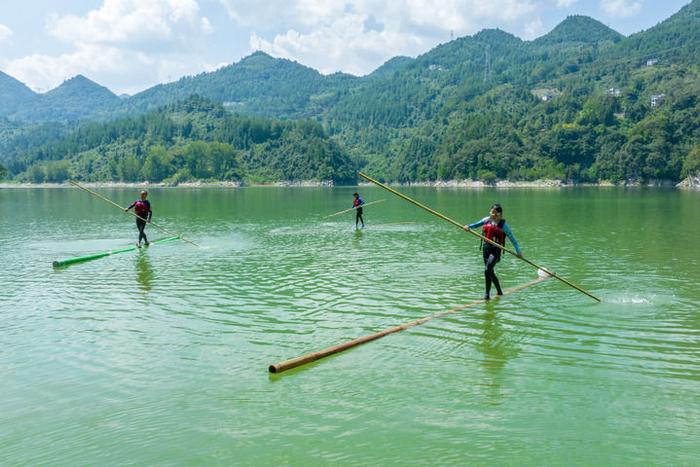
(311, 357)
(72, 182)
(461, 226)
(353, 208)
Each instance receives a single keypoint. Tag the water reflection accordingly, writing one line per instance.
(144, 271)
(357, 237)
(495, 348)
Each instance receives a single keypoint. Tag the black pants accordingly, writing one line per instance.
(358, 217)
(491, 257)
(141, 225)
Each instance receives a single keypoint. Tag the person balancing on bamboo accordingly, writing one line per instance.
(142, 207)
(357, 205)
(495, 228)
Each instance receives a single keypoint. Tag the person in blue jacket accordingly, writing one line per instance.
(495, 228)
(357, 204)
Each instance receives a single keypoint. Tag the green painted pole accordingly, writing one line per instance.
(461, 226)
(82, 259)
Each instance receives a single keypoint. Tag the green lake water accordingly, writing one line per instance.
(159, 356)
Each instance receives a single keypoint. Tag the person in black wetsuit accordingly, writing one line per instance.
(495, 228)
(142, 207)
(357, 204)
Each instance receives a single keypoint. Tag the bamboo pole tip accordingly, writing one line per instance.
(272, 368)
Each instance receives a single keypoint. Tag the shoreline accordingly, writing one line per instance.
(690, 183)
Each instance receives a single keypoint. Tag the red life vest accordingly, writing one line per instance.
(142, 208)
(494, 231)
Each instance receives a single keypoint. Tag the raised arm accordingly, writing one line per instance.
(478, 223)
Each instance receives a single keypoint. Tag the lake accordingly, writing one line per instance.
(160, 356)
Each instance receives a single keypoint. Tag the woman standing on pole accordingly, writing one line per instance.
(495, 228)
(142, 207)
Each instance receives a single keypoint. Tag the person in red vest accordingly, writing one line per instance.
(142, 207)
(495, 228)
(357, 203)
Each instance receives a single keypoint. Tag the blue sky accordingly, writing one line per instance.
(130, 45)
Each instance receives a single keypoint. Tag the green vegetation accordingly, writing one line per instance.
(194, 140)
(581, 103)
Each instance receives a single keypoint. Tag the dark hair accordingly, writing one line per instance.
(356, 194)
(497, 207)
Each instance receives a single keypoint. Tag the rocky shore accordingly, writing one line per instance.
(689, 183)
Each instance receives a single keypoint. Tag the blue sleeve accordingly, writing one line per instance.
(131, 205)
(506, 229)
(479, 223)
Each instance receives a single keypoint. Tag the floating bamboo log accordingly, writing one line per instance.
(463, 227)
(311, 357)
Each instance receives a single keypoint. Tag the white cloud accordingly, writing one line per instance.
(121, 70)
(342, 45)
(620, 8)
(206, 26)
(356, 36)
(131, 23)
(255, 13)
(5, 32)
(533, 29)
(565, 3)
(123, 44)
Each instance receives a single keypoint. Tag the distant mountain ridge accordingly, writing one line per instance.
(262, 85)
(74, 99)
(579, 29)
(582, 102)
(13, 94)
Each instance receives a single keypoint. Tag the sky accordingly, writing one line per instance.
(131, 45)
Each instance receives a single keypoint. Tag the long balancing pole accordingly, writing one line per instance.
(311, 357)
(72, 182)
(453, 222)
(354, 207)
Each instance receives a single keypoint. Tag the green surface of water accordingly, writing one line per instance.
(160, 356)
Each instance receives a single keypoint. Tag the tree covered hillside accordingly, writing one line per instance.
(569, 105)
(192, 140)
(580, 103)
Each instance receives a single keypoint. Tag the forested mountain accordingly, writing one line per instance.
(13, 95)
(258, 84)
(76, 99)
(579, 29)
(192, 140)
(581, 102)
